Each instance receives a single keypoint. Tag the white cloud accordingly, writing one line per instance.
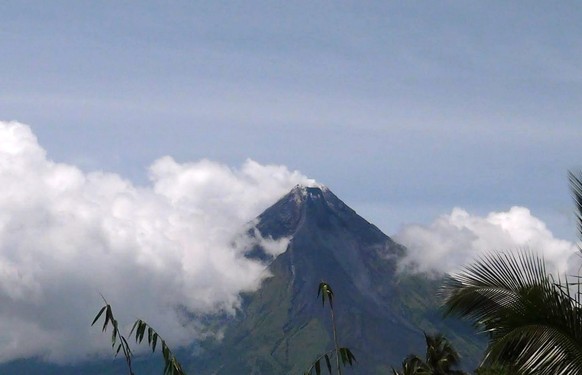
(456, 239)
(67, 235)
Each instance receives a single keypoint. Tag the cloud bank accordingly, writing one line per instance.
(155, 252)
(456, 239)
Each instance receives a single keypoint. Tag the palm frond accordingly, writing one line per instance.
(538, 349)
(484, 290)
(413, 365)
(440, 354)
(530, 320)
(576, 186)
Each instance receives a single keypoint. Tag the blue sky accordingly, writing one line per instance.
(404, 109)
(449, 124)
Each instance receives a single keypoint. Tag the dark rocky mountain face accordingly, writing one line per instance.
(330, 242)
(380, 313)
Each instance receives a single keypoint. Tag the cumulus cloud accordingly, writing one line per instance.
(154, 252)
(456, 239)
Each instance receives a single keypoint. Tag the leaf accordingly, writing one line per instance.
(150, 333)
(141, 331)
(328, 363)
(98, 315)
(351, 357)
(154, 341)
(108, 316)
(113, 336)
(576, 187)
(165, 351)
(326, 292)
(347, 356)
(125, 346)
(134, 327)
(343, 356)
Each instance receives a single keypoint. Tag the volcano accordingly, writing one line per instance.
(380, 312)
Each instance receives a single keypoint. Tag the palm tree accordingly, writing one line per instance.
(534, 322)
(343, 355)
(441, 358)
(413, 365)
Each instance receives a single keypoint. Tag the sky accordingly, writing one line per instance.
(135, 129)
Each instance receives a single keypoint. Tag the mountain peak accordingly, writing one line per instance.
(283, 323)
(314, 206)
(301, 193)
(326, 234)
(302, 204)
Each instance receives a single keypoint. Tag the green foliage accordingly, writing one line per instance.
(115, 334)
(343, 355)
(531, 321)
(172, 366)
(441, 359)
(412, 365)
(326, 293)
